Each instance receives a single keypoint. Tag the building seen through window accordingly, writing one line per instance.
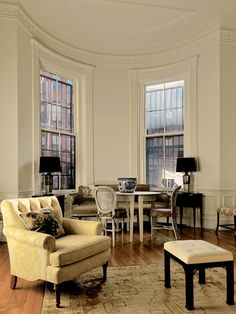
(164, 133)
(57, 126)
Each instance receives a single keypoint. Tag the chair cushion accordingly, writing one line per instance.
(197, 251)
(74, 248)
(43, 221)
(88, 208)
(228, 211)
(161, 212)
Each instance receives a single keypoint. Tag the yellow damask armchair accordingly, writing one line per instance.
(71, 249)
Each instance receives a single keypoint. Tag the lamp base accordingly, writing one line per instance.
(186, 182)
(48, 183)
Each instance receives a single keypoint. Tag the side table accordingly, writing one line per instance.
(190, 200)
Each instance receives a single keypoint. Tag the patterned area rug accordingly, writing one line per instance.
(139, 289)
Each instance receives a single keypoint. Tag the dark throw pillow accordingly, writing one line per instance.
(44, 222)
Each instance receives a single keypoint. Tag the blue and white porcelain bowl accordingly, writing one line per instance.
(127, 185)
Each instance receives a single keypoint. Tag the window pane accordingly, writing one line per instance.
(65, 112)
(68, 162)
(174, 109)
(47, 103)
(154, 161)
(49, 144)
(173, 150)
(155, 114)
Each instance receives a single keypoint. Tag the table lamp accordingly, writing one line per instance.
(48, 165)
(186, 165)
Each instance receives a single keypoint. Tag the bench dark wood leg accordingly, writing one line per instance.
(189, 287)
(167, 269)
(105, 271)
(58, 295)
(234, 227)
(202, 277)
(230, 282)
(13, 282)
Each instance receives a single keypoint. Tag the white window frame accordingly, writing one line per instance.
(82, 77)
(185, 70)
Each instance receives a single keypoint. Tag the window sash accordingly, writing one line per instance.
(164, 133)
(57, 126)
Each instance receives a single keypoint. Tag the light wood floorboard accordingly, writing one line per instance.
(27, 298)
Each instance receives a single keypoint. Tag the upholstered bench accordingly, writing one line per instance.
(198, 255)
(226, 211)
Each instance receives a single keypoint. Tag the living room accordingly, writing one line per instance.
(116, 50)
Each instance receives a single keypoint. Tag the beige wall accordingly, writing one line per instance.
(111, 124)
(8, 109)
(25, 113)
(227, 116)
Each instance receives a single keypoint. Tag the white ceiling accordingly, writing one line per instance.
(123, 27)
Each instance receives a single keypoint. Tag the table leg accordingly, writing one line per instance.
(131, 217)
(140, 214)
(194, 217)
(201, 217)
(181, 217)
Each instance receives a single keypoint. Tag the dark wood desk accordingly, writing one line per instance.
(191, 200)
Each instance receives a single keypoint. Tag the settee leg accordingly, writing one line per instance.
(13, 282)
(105, 271)
(58, 295)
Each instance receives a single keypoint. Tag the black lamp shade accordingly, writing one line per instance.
(49, 164)
(186, 164)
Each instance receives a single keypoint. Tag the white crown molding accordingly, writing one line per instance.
(41, 50)
(181, 47)
(228, 36)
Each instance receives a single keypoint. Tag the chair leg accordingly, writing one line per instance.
(113, 232)
(122, 229)
(104, 266)
(151, 222)
(58, 295)
(174, 226)
(13, 282)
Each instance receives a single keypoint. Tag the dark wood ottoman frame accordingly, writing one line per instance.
(190, 270)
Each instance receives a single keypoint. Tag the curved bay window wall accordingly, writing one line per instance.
(57, 126)
(164, 133)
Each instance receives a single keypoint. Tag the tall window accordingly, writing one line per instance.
(164, 132)
(57, 126)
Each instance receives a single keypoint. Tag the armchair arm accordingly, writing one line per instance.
(84, 227)
(38, 239)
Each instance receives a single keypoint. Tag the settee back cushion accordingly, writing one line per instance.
(13, 208)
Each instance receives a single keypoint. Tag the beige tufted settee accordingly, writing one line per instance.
(35, 255)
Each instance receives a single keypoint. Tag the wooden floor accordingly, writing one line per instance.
(28, 296)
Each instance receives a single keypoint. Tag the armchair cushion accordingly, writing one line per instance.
(74, 248)
(43, 221)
